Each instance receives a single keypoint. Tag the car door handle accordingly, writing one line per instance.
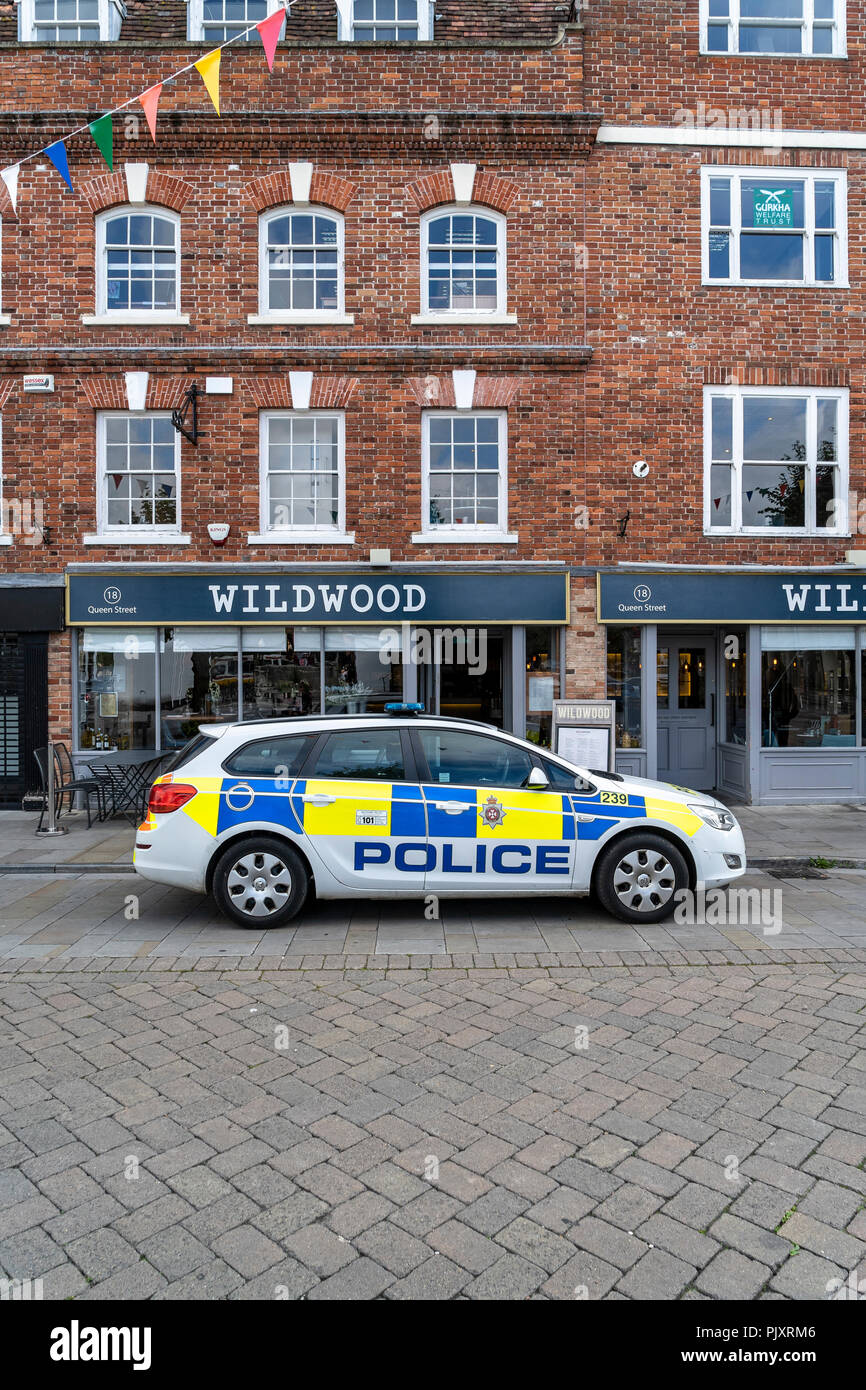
(453, 808)
(318, 799)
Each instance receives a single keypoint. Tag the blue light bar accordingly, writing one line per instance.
(404, 709)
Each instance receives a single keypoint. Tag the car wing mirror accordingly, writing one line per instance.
(537, 781)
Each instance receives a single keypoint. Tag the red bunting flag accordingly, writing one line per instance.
(150, 101)
(270, 30)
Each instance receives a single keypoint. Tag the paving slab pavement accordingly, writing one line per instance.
(590, 1129)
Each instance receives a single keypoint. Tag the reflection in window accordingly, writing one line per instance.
(281, 757)
(357, 679)
(624, 683)
(466, 469)
(198, 680)
(735, 687)
(776, 460)
(302, 469)
(807, 688)
(663, 678)
(138, 467)
(282, 672)
(116, 689)
(362, 756)
(691, 679)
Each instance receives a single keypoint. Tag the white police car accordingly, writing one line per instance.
(403, 805)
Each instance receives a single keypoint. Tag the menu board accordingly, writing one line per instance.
(583, 732)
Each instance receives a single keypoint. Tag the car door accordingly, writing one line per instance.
(256, 786)
(363, 812)
(486, 829)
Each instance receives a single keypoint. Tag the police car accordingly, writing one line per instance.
(403, 805)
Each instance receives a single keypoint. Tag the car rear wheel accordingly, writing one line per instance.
(638, 878)
(260, 883)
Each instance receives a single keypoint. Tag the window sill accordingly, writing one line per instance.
(770, 532)
(302, 538)
(276, 320)
(110, 538)
(468, 320)
(776, 284)
(464, 537)
(139, 320)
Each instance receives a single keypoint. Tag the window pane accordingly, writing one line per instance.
(827, 499)
(462, 759)
(774, 496)
(825, 203)
(774, 427)
(663, 678)
(357, 681)
(771, 256)
(720, 202)
(723, 427)
(828, 411)
(117, 697)
(272, 757)
(624, 683)
(807, 698)
(691, 680)
(362, 756)
(763, 38)
(542, 682)
(824, 258)
(720, 495)
(195, 686)
(771, 9)
(736, 687)
(822, 40)
(717, 38)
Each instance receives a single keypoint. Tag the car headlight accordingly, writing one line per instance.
(715, 816)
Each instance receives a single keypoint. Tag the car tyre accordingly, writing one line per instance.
(261, 883)
(638, 878)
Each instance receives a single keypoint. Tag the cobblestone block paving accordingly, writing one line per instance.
(576, 1127)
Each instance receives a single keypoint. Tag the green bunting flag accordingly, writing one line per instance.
(103, 133)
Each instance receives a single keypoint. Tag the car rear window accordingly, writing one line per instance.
(279, 756)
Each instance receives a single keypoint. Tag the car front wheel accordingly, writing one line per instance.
(638, 878)
(260, 883)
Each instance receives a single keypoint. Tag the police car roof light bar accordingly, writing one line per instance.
(404, 709)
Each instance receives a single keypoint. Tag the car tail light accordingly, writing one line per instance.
(169, 796)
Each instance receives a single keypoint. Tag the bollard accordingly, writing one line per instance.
(52, 828)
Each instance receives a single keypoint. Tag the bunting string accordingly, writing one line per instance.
(102, 129)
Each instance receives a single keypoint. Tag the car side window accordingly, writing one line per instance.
(361, 755)
(473, 760)
(271, 757)
(561, 780)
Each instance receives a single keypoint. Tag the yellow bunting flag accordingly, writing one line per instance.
(209, 67)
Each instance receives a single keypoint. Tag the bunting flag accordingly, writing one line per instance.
(10, 178)
(57, 154)
(269, 32)
(103, 134)
(209, 68)
(149, 100)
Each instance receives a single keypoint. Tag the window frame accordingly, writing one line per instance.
(130, 315)
(132, 534)
(456, 534)
(110, 20)
(268, 315)
(839, 28)
(460, 315)
(346, 31)
(302, 534)
(737, 173)
(195, 22)
(812, 393)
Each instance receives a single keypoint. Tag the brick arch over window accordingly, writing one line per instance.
(489, 190)
(164, 190)
(275, 392)
(489, 392)
(326, 190)
(111, 392)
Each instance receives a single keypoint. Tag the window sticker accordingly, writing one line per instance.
(773, 207)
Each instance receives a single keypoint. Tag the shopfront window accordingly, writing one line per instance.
(282, 672)
(808, 687)
(117, 689)
(198, 669)
(542, 683)
(624, 683)
(735, 687)
(363, 673)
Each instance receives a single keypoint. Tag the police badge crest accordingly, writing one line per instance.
(492, 812)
